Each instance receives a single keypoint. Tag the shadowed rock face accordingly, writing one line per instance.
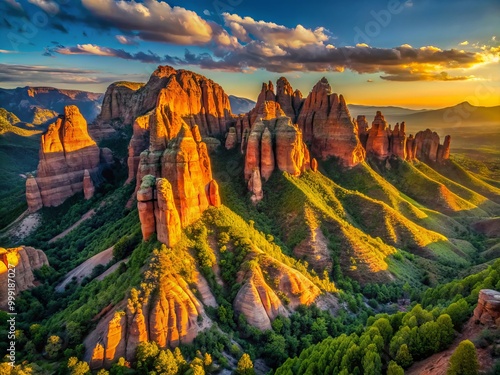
(26, 260)
(378, 137)
(66, 152)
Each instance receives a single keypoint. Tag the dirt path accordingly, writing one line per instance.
(85, 269)
(438, 363)
(85, 216)
(22, 227)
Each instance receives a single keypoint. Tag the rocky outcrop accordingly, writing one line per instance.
(33, 196)
(187, 183)
(66, 151)
(169, 316)
(195, 98)
(138, 143)
(377, 143)
(382, 142)
(314, 165)
(273, 142)
(289, 100)
(487, 311)
(168, 223)
(255, 186)
(88, 185)
(24, 260)
(267, 155)
(397, 141)
(231, 139)
(292, 154)
(146, 206)
(259, 301)
(327, 125)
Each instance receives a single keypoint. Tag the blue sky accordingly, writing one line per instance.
(414, 53)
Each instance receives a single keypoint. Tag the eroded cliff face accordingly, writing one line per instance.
(184, 189)
(322, 118)
(273, 142)
(169, 316)
(66, 152)
(25, 260)
(258, 299)
(195, 98)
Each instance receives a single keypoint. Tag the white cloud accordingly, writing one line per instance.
(48, 6)
(153, 20)
(206, 12)
(127, 40)
(464, 43)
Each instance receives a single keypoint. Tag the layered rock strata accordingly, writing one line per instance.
(487, 311)
(66, 152)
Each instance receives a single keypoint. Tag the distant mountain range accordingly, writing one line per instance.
(30, 103)
(460, 115)
(240, 105)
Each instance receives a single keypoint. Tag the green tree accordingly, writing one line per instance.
(146, 353)
(165, 363)
(53, 347)
(245, 365)
(372, 364)
(385, 329)
(403, 357)
(464, 360)
(395, 369)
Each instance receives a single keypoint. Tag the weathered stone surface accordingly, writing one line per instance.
(378, 138)
(292, 155)
(397, 141)
(258, 300)
(427, 144)
(138, 143)
(231, 139)
(213, 194)
(146, 206)
(26, 260)
(66, 151)
(289, 100)
(252, 154)
(314, 165)
(195, 98)
(88, 185)
(444, 150)
(168, 223)
(267, 155)
(410, 148)
(487, 311)
(33, 197)
(169, 318)
(363, 126)
(255, 186)
(326, 124)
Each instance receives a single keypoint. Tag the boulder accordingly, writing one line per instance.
(487, 311)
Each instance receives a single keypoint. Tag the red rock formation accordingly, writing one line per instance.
(193, 97)
(292, 155)
(66, 151)
(255, 186)
(444, 150)
(410, 148)
(314, 165)
(231, 139)
(326, 124)
(487, 311)
(138, 143)
(426, 145)
(213, 194)
(168, 224)
(25, 260)
(252, 154)
(88, 185)
(146, 207)
(169, 317)
(398, 141)
(362, 125)
(377, 143)
(289, 100)
(267, 155)
(33, 197)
